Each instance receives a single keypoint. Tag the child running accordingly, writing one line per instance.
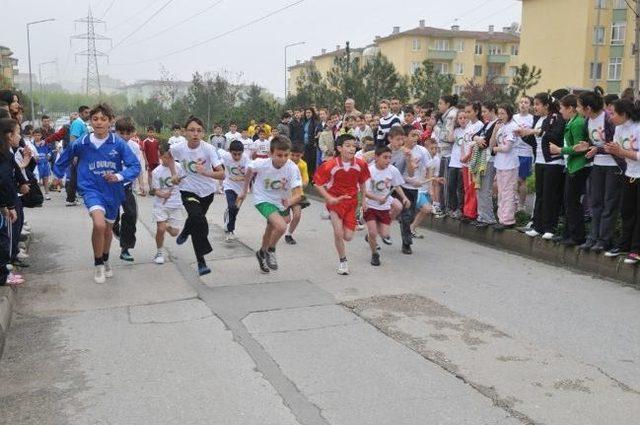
(167, 205)
(277, 187)
(202, 166)
(101, 176)
(385, 178)
(44, 156)
(338, 181)
(235, 166)
(297, 150)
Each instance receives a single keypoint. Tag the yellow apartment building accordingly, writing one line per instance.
(8, 67)
(583, 43)
(479, 55)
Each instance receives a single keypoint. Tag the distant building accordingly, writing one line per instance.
(8, 68)
(480, 55)
(21, 81)
(598, 50)
(148, 89)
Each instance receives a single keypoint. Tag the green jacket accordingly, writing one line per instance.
(574, 133)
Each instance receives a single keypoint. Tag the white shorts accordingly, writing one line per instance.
(173, 216)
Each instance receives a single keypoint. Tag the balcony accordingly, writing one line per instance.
(498, 58)
(499, 80)
(441, 55)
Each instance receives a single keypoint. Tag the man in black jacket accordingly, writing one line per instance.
(296, 128)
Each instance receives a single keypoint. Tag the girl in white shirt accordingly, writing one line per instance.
(506, 163)
(475, 124)
(454, 180)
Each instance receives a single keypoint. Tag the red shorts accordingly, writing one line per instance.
(346, 210)
(379, 216)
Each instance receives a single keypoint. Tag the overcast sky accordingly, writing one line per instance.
(251, 54)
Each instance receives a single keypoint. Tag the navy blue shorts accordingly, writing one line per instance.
(525, 170)
(95, 201)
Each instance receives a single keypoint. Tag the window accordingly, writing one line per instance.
(615, 69)
(442, 45)
(595, 71)
(441, 67)
(495, 49)
(618, 30)
(515, 49)
(460, 46)
(459, 69)
(416, 45)
(513, 71)
(598, 35)
(414, 67)
(619, 4)
(601, 4)
(478, 49)
(477, 71)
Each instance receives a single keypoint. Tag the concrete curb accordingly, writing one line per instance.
(7, 299)
(535, 248)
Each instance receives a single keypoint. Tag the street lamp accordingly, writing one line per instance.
(40, 65)
(29, 54)
(285, 65)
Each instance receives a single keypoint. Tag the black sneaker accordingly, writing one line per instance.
(262, 261)
(375, 259)
(272, 263)
(289, 239)
(406, 249)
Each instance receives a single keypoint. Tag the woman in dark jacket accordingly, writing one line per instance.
(310, 138)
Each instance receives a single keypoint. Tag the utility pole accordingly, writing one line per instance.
(92, 54)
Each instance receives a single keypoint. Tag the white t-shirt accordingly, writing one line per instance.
(262, 148)
(273, 184)
(188, 158)
(231, 137)
(456, 149)
(381, 183)
(627, 135)
(505, 139)
(135, 147)
(161, 180)
(420, 156)
(434, 166)
(97, 142)
(597, 138)
(179, 139)
(233, 169)
(523, 121)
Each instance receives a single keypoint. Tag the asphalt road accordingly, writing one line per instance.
(456, 334)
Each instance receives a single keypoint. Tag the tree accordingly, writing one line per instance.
(381, 80)
(474, 91)
(312, 89)
(525, 78)
(427, 84)
(346, 78)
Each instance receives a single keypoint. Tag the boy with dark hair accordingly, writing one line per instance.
(217, 139)
(235, 167)
(177, 137)
(261, 146)
(338, 181)
(283, 126)
(277, 187)
(297, 151)
(231, 135)
(385, 179)
(101, 156)
(124, 227)
(151, 152)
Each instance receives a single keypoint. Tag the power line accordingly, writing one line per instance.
(175, 25)
(632, 9)
(238, 28)
(108, 8)
(144, 23)
(470, 11)
(494, 13)
(135, 15)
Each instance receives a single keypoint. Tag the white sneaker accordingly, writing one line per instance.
(532, 233)
(108, 271)
(230, 237)
(25, 233)
(343, 268)
(359, 227)
(159, 258)
(26, 226)
(547, 236)
(22, 246)
(99, 275)
(47, 197)
(22, 255)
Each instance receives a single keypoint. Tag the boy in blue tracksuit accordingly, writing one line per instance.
(101, 177)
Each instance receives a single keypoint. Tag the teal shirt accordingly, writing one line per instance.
(575, 132)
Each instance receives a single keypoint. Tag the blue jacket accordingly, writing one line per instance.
(94, 163)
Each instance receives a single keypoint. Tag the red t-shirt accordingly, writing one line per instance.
(342, 179)
(151, 148)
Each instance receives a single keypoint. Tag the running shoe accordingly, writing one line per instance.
(272, 262)
(262, 261)
(159, 258)
(108, 271)
(343, 268)
(99, 275)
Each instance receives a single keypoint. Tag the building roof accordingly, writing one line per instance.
(303, 64)
(339, 52)
(498, 36)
